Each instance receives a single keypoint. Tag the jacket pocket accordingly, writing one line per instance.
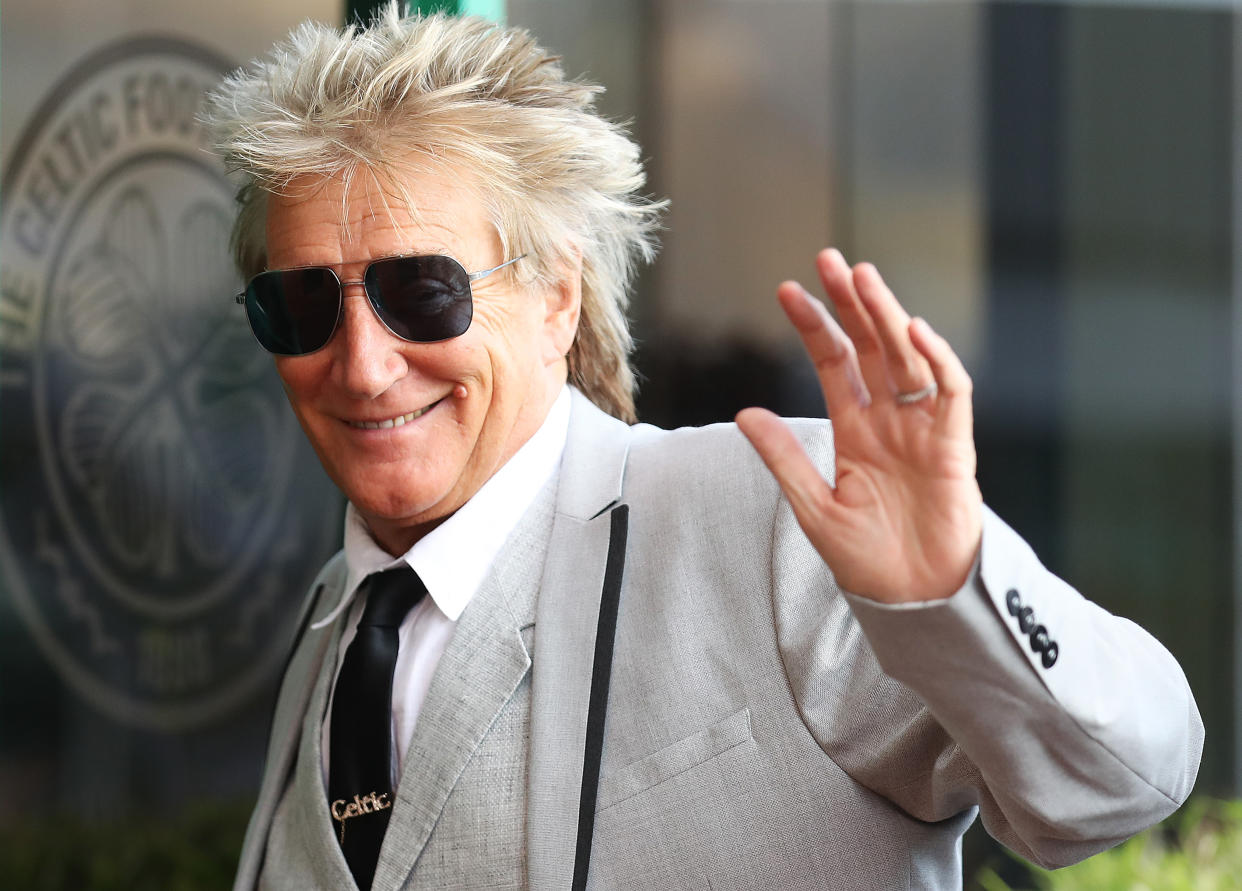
(675, 759)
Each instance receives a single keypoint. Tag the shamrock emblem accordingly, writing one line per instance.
(165, 430)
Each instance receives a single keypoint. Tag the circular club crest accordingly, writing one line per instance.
(160, 513)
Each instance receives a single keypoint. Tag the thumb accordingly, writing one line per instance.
(808, 492)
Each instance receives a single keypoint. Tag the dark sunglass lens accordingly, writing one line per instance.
(294, 311)
(421, 299)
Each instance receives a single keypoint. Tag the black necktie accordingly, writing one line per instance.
(360, 786)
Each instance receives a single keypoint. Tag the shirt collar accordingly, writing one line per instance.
(453, 559)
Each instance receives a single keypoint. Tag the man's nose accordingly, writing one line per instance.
(368, 356)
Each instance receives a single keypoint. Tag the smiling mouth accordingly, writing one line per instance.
(398, 421)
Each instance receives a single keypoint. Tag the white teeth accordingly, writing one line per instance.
(393, 422)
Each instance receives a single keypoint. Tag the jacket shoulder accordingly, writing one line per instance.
(715, 463)
(719, 447)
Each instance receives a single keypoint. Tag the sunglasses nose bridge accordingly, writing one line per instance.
(355, 288)
(361, 290)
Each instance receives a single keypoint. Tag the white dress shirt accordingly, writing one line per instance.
(452, 560)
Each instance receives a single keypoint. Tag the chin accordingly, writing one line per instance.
(397, 504)
(396, 510)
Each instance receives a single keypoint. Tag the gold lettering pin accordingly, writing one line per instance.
(343, 810)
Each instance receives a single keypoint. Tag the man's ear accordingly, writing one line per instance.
(563, 303)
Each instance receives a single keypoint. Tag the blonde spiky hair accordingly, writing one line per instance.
(558, 179)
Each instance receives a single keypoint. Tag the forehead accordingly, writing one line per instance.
(337, 221)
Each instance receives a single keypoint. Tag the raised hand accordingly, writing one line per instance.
(903, 521)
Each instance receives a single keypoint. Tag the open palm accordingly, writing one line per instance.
(903, 520)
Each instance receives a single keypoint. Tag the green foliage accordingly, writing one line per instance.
(1197, 849)
(196, 851)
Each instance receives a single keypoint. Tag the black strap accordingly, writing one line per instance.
(601, 676)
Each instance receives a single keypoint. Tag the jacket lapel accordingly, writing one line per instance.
(567, 616)
(298, 682)
(478, 674)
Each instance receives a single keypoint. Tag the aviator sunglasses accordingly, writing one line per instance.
(294, 312)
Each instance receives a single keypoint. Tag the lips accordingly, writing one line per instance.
(397, 421)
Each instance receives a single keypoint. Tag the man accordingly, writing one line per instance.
(560, 650)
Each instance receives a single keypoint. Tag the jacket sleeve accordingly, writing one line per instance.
(1069, 728)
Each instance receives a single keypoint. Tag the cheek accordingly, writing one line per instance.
(462, 362)
(486, 358)
(298, 376)
(511, 338)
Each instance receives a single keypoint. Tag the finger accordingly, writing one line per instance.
(907, 369)
(954, 414)
(809, 494)
(838, 281)
(829, 349)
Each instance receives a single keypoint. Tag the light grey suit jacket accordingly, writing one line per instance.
(764, 729)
